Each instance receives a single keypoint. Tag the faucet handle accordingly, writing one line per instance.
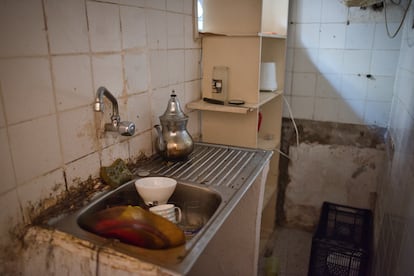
(126, 128)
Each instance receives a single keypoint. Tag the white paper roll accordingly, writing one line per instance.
(268, 80)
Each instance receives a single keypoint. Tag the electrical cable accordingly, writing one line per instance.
(293, 120)
(402, 21)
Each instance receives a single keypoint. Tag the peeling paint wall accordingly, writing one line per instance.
(339, 163)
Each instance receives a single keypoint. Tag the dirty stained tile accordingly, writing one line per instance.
(10, 216)
(81, 169)
(40, 193)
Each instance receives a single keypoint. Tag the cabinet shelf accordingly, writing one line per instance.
(264, 98)
(273, 35)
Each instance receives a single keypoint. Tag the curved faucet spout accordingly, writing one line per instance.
(99, 103)
(124, 128)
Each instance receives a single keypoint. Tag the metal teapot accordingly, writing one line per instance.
(173, 141)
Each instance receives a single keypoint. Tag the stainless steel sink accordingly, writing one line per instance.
(210, 185)
(198, 205)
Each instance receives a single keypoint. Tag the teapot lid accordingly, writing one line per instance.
(173, 111)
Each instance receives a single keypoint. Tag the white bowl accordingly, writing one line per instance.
(155, 190)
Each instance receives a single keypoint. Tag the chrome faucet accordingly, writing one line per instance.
(124, 128)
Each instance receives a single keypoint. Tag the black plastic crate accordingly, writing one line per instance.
(341, 243)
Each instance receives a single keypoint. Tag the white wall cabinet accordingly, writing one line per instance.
(240, 35)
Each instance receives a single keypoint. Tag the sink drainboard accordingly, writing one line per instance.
(210, 165)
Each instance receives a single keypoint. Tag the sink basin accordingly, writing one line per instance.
(211, 183)
(197, 204)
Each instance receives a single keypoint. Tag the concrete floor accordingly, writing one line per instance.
(291, 252)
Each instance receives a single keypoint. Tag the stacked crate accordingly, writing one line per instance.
(341, 243)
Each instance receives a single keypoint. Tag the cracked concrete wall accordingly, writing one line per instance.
(339, 163)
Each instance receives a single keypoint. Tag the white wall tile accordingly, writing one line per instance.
(192, 91)
(353, 87)
(156, 4)
(175, 66)
(302, 107)
(26, 81)
(159, 100)
(290, 59)
(351, 111)
(377, 113)
(359, 35)
(192, 64)
(330, 61)
(305, 60)
(291, 34)
(113, 152)
(404, 89)
(287, 90)
(158, 68)
(189, 41)
(141, 144)
(73, 81)
(328, 85)
(188, 7)
(67, 26)
(332, 36)
(307, 35)
(304, 84)
(107, 71)
(6, 168)
(2, 118)
(22, 28)
(136, 3)
(136, 72)
(139, 112)
(81, 169)
(35, 148)
(308, 11)
(356, 62)
(384, 63)
(104, 27)
(380, 88)
(78, 133)
(382, 41)
(133, 27)
(193, 127)
(157, 29)
(175, 30)
(333, 11)
(175, 5)
(326, 109)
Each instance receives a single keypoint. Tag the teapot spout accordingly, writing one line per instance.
(159, 141)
